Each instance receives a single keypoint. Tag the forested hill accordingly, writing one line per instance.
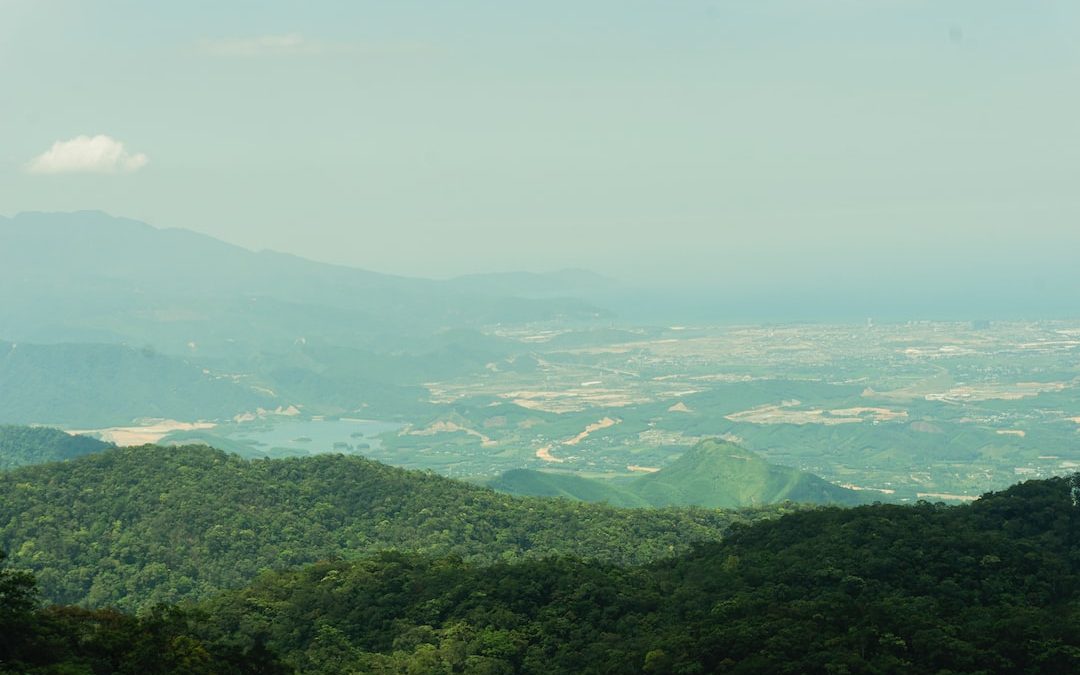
(713, 474)
(20, 446)
(719, 474)
(990, 587)
(91, 385)
(136, 526)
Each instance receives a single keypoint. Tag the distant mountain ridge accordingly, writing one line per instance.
(575, 283)
(90, 277)
(713, 473)
(109, 319)
(92, 385)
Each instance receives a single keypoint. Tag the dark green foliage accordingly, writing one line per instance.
(72, 640)
(18, 599)
(133, 527)
(990, 587)
(20, 446)
(393, 612)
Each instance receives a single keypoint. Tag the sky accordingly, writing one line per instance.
(822, 144)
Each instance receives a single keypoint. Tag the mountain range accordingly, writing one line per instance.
(100, 330)
(90, 277)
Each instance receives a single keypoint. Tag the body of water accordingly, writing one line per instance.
(348, 436)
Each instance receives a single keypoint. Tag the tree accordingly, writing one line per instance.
(18, 600)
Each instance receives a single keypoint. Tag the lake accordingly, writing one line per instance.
(314, 436)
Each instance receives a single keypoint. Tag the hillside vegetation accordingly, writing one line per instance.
(21, 446)
(529, 482)
(713, 473)
(990, 587)
(136, 526)
(720, 474)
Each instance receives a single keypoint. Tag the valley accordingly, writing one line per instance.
(918, 410)
(268, 355)
(602, 338)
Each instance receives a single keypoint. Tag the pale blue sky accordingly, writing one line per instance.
(756, 142)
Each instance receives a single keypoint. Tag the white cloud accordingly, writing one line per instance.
(87, 154)
(291, 43)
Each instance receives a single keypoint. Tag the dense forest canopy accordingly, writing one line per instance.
(987, 587)
(133, 527)
(21, 446)
(990, 587)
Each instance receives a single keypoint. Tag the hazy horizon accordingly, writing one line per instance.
(630, 299)
(539, 337)
(897, 150)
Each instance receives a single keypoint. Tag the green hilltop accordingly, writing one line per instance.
(719, 474)
(21, 446)
(132, 527)
(566, 485)
(713, 473)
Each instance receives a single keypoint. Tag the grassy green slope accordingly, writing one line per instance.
(545, 484)
(723, 475)
(713, 474)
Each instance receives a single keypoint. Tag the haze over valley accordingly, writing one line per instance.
(271, 355)
(470, 338)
